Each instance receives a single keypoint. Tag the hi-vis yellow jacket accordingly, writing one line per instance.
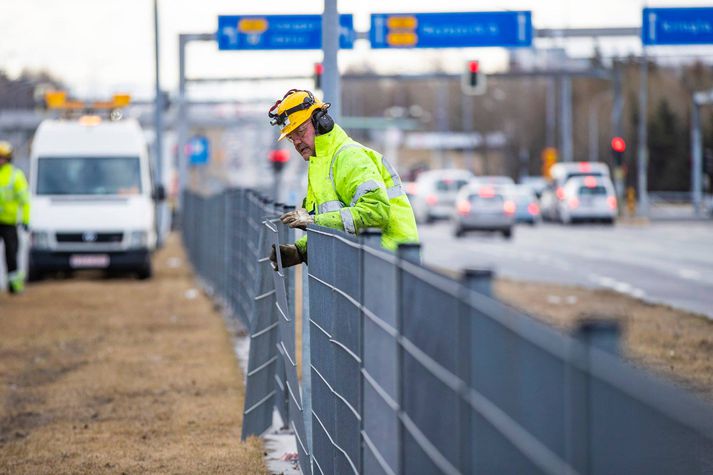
(14, 194)
(351, 187)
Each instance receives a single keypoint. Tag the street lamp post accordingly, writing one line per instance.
(594, 125)
(158, 100)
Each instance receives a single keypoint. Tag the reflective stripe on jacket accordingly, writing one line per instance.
(14, 195)
(351, 187)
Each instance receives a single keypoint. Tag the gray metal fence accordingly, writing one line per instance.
(415, 372)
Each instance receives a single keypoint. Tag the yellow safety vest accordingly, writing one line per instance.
(14, 194)
(351, 187)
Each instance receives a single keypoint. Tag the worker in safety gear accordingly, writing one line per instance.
(350, 187)
(14, 201)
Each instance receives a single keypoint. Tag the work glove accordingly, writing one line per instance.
(298, 218)
(291, 256)
(25, 227)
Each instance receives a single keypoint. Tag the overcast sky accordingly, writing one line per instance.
(99, 46)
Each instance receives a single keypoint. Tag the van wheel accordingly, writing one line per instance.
(145, 272)
(507, 233)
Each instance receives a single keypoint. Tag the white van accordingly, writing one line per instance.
(93, 197)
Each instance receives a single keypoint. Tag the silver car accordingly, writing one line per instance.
(589, 198)
(484, 208)
(434, 193)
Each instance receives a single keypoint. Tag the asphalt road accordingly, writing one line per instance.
(670, 263)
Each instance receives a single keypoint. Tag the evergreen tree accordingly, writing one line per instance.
(669, 162)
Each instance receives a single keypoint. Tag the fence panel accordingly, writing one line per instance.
(346, 341)
(260, 394)
(381, 372)
(286, 343)
(320, 252)
(639, 425)
(430, 362)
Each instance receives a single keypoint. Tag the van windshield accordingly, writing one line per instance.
(88, 176)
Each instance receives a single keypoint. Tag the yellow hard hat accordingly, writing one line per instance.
(5, 149)
(293, 110)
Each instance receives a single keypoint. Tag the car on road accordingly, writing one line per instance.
(434, 193)
(536, 183)
(588, 198)
(527, 207)
(484, 208)
(496, 180)
(560, 173)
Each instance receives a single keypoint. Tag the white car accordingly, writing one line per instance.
(434, 193)
(496, 180)
(588, 198)
(484, 208)
(552, 196)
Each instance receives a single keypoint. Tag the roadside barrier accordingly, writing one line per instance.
(416, 372)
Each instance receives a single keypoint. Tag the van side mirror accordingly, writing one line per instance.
(159, 193)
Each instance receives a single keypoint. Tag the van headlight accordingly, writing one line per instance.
(138, 239)
(40, 240)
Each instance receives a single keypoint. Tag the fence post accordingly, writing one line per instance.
(591, 332)
(479, 280)
(601, 333)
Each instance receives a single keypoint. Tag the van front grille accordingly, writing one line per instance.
(89, 237)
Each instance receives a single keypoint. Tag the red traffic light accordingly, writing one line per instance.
(318, 70)
(473, 66)
(279, 156)
(618, 144)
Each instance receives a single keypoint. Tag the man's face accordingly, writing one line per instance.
(303, 139)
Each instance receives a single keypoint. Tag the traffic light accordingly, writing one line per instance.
(318, 71)
(473, 82)
(618, 147)
(279, 158)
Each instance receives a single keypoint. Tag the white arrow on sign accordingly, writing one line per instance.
(521, 33)
(379, 25)
(231, 33)
(652, 27)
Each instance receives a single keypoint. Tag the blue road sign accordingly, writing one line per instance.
(198, 150)
(677, 26)
(269, 32)
(451, 30)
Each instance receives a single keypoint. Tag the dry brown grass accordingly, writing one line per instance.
(120, 376)
(675, 344)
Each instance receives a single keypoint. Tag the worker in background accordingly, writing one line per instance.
(14, 204)
(349, 186)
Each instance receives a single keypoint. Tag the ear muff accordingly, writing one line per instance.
(322, 121)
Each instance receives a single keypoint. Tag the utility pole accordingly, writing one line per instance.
(330, 46)
(442, 119)
(467, 103)
(643, 149)
(566, 117)
(551, 112)
(697, 156)
(158, 100)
